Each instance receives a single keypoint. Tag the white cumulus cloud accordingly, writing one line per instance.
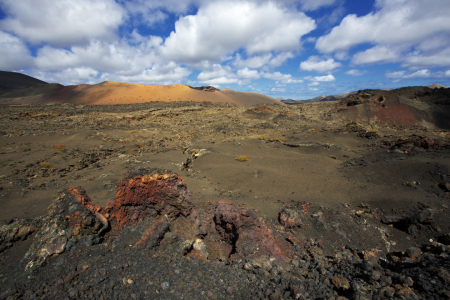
(221, 28)
(283, 78)
(377, 54)
(326, 78)
(216, 75)
(254, 62)
(423, 73)
(315, 4)
(62, 22)
(355, 72)
(68, 76)
(315, 63)
(395, 28)
(14, 54)
(248, 74)
(440, 58)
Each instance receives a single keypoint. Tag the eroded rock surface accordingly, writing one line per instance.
(73, 221)
(290, 218)
(142, 194)
(239, 233)
(151, 225)
(18, 230)
(152, 210)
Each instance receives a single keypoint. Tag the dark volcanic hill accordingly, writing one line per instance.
(404, 106)
(10, 81)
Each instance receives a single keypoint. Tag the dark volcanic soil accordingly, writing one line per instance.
(371, 198)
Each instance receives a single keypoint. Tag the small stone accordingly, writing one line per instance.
(200, 246)
(264, 262)
(367, 265)
(413, 252)
(275, 295)
(340, 283)
(375, 275)
(165, 285)
(444, 275)
(407, 280)
(129, 281)
(319, 243)
(73, 293)
(412, 230)
(372, 256)
(295, 263)
(229, 290)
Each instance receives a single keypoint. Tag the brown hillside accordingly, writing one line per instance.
(125, 93)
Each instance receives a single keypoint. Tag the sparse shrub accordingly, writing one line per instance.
(131, 151)
(133, 131)
(242, 158)
(280, 139)
(262, 137)
(140, 145)
(46, 165)
(60, 147)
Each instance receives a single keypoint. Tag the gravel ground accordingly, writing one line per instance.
(98, 273)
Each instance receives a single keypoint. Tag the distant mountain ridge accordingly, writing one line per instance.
(324, 98)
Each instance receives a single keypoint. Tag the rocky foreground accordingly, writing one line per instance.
(149, 242)
(344, 199)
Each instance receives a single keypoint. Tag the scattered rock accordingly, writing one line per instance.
(341, 283)
(199, 245)
(263, 262)
(289, 218)
(413, 252)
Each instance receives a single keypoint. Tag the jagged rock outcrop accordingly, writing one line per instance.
(152, 210)
(73, 221)
(205, 88)
(238, 233)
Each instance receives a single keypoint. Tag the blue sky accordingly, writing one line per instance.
(296, 49)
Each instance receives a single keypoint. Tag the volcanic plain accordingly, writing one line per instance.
(352, 194)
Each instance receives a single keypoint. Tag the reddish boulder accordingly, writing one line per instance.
(235, 232)
(143, 194)
(425, 142)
